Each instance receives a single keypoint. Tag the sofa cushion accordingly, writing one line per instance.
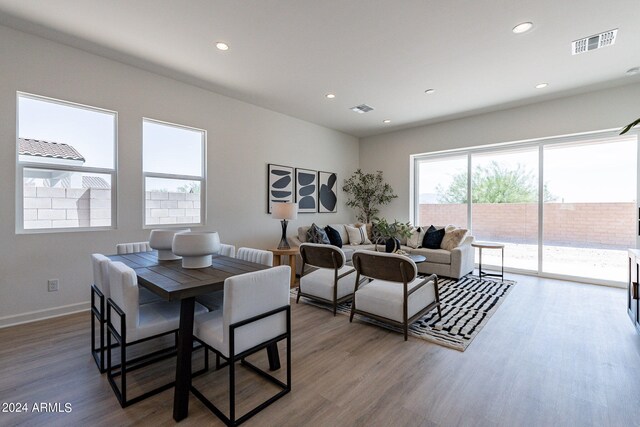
(302, 233)
(433, 238)
(358, 236)
(316, 234)
(334, 236)
(453, 238)
(435, 256)
(343, 232)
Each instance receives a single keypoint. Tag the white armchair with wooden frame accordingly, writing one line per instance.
(330, 281)
(395, 294)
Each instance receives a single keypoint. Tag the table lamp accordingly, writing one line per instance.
(284, 211)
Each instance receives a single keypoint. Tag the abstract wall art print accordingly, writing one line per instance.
(279, 185)
(327, 192)
(306, 190)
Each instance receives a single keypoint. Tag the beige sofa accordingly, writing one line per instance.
(444, 263)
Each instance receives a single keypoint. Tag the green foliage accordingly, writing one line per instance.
(191, 187)
(396, 229)
(367, 191)
(628, 127)
(494, 184)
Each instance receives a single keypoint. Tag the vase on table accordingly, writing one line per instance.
(391, 245)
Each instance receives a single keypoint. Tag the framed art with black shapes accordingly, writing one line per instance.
(280, 185)
(306, 190)
(327, 192)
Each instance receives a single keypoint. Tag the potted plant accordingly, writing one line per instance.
(367, 191)
(390, 233)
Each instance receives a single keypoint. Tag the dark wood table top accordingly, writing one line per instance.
(172, 282)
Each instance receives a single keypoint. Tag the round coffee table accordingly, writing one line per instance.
(489, 245)
(416, 258)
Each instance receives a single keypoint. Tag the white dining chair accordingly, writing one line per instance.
(132, 247)
(227, 250)
(258, 256)
(131, 323)
(99, 295)
(255, 314)
(146, 296)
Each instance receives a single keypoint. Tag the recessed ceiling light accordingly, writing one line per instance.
(522, 28)
(330, 95)
(429, 91)
(222, 46)
(633, 71)
(386, 121)
(541, 85)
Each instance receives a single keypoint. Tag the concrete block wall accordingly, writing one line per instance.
(585, 224)
(172, 208)
(47, 207)
(52, 207)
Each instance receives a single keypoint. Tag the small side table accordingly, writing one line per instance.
(489, 245)
(291, 253)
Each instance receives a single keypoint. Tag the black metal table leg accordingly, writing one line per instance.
(183, 365)
(274, 357)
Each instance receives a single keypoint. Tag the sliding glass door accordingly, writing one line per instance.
(563, 206)
(442, 196)
(590, 220)
(504, 194)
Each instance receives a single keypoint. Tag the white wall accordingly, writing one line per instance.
(242, 139)
(605, 109)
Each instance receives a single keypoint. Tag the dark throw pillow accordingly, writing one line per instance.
(334, 236)
(316, 234)
(433, 238)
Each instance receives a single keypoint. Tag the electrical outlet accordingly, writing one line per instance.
(52, 285)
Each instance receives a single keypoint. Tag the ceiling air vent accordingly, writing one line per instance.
(608, 38)
(362, 108)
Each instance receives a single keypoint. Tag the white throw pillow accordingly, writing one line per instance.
(415, 240)
(358, 235)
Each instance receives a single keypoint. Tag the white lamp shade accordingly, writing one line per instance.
(284, 211)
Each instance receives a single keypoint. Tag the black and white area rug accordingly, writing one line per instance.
(467, 305)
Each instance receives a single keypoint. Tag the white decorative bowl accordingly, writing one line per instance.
(196, 247)
(161, 240)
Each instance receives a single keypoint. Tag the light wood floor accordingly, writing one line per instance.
(554, 354)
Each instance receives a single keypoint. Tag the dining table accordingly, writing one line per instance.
(171, 281)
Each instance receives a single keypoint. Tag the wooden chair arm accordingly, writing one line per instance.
(433, 278)
(346, 274)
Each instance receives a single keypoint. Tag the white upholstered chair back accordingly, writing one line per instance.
(256, 255)
(132, 247)
(251, 294)
(227, 250)
(100, 265)
(124, 292)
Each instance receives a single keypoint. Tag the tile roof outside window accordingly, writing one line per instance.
(56, 150)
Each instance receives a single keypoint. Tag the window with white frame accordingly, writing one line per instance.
(174, 173)
(66, 165)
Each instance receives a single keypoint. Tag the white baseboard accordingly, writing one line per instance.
(48, 313)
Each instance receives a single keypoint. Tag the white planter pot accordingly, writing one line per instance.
(161, 240)
(196, 247)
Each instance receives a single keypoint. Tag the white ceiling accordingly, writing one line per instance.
(285, 55)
